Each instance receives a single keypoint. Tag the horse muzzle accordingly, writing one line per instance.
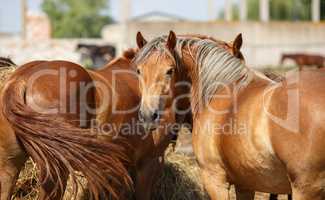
(149, 119)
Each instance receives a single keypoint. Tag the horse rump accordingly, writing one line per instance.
(59, 148)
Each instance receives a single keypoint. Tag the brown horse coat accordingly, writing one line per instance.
(55, 141)
(255, 133)
(305, 60)
(146, 149)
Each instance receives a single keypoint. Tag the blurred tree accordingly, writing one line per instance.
(291, 10)
(76, 18)
(322, 9)
(282, 10)
(253, 8)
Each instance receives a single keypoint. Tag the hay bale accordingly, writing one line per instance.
(180, 179)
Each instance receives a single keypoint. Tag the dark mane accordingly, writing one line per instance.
(6, 62)
(274, 76)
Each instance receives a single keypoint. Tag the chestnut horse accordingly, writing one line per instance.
(58, 141)
(146, 152)
(117, 84)
(116, 99)
(248, 130)
(305, 60)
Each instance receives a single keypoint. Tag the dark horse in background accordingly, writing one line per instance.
(97, 55)
(302, 60)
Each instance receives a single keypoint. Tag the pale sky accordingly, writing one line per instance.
(189, 9)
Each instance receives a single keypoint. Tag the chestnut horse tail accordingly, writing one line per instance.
(59, 148)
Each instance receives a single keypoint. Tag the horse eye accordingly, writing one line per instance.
(170, 72)
(138, 71)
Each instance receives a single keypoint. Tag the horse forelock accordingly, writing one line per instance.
(215, 65)
(156, 45)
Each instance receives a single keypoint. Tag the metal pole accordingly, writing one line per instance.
(23, 18)
(211, 10)
(228, 10)
(264, 10)
(243, 10)
(315, 10)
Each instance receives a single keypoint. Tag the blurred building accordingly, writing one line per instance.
(38, 26)
(264, 40)
(26, 36)
(156, 17)
(16, 21)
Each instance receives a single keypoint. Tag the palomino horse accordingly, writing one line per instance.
(305, 60)
(248, 131)
(30, 126)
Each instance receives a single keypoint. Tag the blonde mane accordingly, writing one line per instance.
(215, 66)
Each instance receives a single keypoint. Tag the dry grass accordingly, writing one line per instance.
(180, 181)
(27, 186)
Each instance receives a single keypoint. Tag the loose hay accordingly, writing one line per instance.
(5, 72)
(27, 187)
(180, 179)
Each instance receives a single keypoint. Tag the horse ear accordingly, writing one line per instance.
(171, 41)
(237, 44)
(140, 40)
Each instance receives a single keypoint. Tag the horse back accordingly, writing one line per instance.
(282, 132)
(238, 139)
(302, 142)
(59, 87)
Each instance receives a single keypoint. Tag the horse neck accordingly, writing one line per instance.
(118, 63)
(191, 73)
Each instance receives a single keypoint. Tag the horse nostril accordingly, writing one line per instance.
(155, 116)
(148, 116)
(141, 116)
